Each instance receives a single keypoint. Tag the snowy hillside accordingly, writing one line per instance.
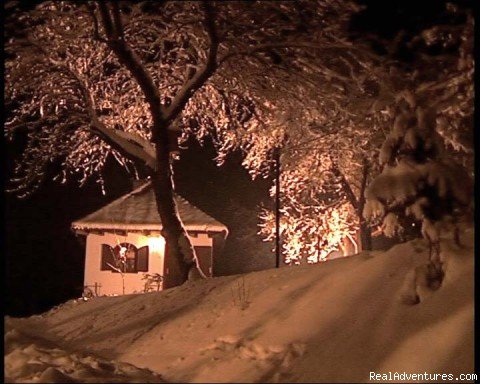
(334, 322)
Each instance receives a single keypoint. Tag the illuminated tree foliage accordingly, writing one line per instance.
(89, 81)
(350, 97)
(86, 81)
(320, 109)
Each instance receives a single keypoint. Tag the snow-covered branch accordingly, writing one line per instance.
(116, 41)
(131, 145)
(208, 69)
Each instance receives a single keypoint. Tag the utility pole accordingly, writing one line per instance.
(277, 206)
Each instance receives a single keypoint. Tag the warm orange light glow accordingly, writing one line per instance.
(312, 237)
(156, 244)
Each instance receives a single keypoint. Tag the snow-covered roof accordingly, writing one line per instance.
(137, 210)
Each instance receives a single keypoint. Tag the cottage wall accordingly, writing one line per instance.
(108, 282)
(111, 282)
(201, 239)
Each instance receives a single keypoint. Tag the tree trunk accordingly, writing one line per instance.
(456, 236)
(365, 230)
(179, 255)
(365, 235)
(358, 204)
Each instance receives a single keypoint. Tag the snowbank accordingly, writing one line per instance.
(36, 360)
(334, 322)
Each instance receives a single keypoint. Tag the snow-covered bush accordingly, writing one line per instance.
(419, 178)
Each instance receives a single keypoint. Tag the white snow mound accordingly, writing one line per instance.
(33, 360)
(333, 322)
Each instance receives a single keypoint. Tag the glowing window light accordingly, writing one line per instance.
(156, 244)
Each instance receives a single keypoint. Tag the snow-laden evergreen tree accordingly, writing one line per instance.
(419, 179)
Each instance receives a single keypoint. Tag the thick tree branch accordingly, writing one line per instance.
(106, 19)
(361, 199)
(200, 78)
(128, 145)
(129, 58)
(346, 187)
(96, 31)
(117, 20)
(131, 146)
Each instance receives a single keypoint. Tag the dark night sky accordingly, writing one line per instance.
(44, 260)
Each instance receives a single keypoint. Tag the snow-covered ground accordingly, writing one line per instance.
(334, 322)
(35, 359)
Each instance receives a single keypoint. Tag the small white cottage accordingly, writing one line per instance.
(124, 247)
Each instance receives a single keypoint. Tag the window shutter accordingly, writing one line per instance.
(142, 259)
(108, 257)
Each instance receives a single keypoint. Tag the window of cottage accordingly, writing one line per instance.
(124, 257)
